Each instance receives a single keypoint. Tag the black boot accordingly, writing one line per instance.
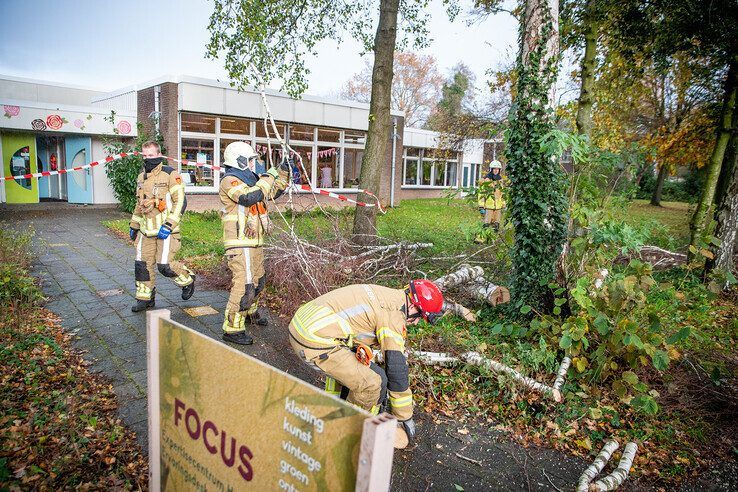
(143, 305)
(257, 319)
(239, 338)
(188, 290)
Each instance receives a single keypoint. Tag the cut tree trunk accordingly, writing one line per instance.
(697, 224)
(659, 258)
(597, 465)
(465, 274)
(488, 292)
(589, 63)
(450, 306)
(659, 188)
(380, 125)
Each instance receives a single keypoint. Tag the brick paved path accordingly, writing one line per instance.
(87, 275)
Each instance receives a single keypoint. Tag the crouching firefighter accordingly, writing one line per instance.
(338, 333)
(244, 189)
(154, 228)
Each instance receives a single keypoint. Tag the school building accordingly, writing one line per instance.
(48, 127)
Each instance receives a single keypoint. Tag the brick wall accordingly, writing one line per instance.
(168, 107)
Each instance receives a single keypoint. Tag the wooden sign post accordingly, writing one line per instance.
(222, 420)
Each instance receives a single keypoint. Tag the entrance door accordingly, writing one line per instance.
(19, 157)
(79, 183)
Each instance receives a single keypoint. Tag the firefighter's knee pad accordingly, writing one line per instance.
(397, 371)
(248, 298)
(142, 273)
(166, 270)
(383, 391)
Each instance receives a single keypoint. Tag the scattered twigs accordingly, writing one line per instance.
(470, 460)
(660, 258)
(561, 373)
(475, 358)
(597, 465)
(618, 476)
(450, 306)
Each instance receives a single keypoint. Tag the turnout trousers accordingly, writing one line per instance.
(366, 385)
(248, 280)
(154, 254)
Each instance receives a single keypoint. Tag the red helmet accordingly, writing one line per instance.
(427, 297)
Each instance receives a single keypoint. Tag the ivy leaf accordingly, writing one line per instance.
(525, 309)
(630, 377)
(497, 329)
(660, 360)
(565, 341)
(677, 337)
(645, 404)
(559, 301)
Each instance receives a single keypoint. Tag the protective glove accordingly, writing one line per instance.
(409, 427)
(273, 172)
(164, 232)
(133, 233)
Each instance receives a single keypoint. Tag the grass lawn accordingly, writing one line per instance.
(673, 217)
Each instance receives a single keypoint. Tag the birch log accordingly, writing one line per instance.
(561, 373)
(465, 274)
(618, 476)
(488, 292)
(597, 465)
(476, 359)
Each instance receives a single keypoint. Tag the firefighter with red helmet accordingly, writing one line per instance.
(339, 332)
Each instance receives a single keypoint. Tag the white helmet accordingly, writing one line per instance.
(238, 154)
(495, 164)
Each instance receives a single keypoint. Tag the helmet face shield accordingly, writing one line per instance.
(243, 162)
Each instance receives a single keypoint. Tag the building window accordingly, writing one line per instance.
(430, 167)
(354, 137)
(200, 151)
(329, 135)
(269, 131)
(302, 133)
(198, 123)
(328, 167)
(451, 179)
(352, 167)
(301, 174)
(235, 126)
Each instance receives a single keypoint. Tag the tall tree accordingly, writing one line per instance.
(538, 207)
(416, 86)
(270, 40)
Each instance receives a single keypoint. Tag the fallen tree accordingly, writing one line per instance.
(614, 479)
(472, 283)
(659, 258)
(476, 359)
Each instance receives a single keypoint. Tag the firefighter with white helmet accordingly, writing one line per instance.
(490, 198)
(245, 188)
(338, 333)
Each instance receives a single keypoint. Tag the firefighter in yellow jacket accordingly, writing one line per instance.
(338, 332)
(490, 198)
(154, 228)
(244, 189)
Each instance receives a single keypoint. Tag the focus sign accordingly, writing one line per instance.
(222, 420)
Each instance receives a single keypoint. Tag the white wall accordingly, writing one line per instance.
(102, 192)
(41, 91)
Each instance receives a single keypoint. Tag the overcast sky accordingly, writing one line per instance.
(107, 44)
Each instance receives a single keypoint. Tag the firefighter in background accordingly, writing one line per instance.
(244, 189)
(337, 333)
(490, 198)
(154, 228)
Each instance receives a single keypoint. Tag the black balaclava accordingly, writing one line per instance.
(151, 163)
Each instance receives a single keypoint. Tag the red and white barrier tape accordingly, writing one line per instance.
(185, 162)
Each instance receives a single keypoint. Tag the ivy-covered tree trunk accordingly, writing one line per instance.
(589, 63)
(726, 230)
(380, 124)
(659, 188)
(538, 205)
(697, 224)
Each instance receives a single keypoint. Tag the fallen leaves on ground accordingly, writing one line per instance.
(58, 424)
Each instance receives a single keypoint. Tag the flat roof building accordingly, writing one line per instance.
(197, 118)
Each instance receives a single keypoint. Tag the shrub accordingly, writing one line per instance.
(17, 287)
